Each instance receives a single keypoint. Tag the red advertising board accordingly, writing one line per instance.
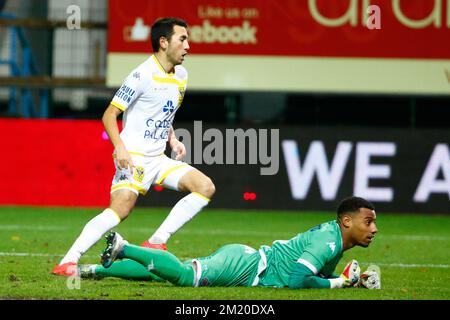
(69, 163)
(415, 29)
(55, 162)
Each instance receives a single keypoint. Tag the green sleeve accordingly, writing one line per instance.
(319, 251)
(302, 278)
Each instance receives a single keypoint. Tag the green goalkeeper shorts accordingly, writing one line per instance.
(232, 265)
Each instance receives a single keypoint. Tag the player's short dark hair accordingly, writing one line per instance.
(352, 205)
(163, 27)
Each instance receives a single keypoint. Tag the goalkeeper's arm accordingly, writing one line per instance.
(303, 278)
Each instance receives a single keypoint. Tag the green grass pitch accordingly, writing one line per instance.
(413, 252)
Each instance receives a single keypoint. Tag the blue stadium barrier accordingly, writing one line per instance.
(26, 67)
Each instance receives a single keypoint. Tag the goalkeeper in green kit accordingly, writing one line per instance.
(308, 260)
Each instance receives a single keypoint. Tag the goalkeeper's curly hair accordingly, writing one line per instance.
(352, 205)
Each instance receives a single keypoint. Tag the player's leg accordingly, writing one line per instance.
(124, 192)
(121, 203)
(124, 269)
(230, 266)
(198, 182)
(188, 179)
(162, 263)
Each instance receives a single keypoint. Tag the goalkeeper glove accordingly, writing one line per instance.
(371, 278)
(349, 277)
(351, 273)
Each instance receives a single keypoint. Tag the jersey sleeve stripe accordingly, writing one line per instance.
(262, 265)
(198, 274)
(118, 105)
(308, 265)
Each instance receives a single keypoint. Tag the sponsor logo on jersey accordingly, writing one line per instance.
(156, 135)
(151, 266)
(169, 107)
(138, 174)
(158, 123)
(332, 246)
(181, 91)
(125, 93)
(158, 129)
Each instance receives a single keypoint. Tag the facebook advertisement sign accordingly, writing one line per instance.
(312, 168)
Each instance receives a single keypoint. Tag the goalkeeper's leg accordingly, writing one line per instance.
(125, 269)
(161, 263)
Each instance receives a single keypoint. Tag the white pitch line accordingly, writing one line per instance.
(30, 254)
(395, 265)
(412, 265)
(414, 237)
(31, 227)
(27, 254)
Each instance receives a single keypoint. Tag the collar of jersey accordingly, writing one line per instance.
(161, 67)
(340, 235)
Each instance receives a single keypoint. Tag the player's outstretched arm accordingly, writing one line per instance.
(303, 278)
(349, 277)
(371, 278)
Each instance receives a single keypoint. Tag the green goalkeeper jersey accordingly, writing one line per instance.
(319, 249)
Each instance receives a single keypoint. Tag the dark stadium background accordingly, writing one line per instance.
(66, 88)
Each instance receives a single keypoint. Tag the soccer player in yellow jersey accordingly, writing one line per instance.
(149, 99)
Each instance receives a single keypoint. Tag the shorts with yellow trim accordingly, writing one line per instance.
(148, 171)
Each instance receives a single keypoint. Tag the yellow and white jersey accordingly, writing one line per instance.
(149, 98)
